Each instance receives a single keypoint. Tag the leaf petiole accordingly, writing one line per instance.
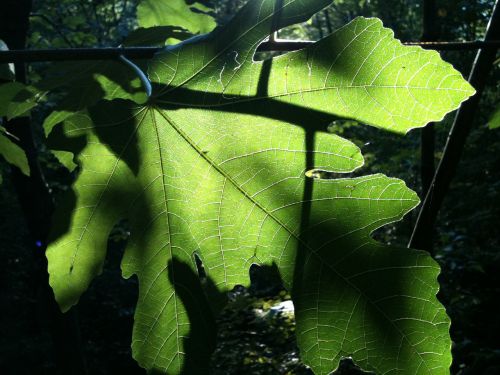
(144, 79)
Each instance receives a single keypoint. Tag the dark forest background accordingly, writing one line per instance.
(255, 335)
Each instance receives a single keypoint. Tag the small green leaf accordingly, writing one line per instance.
(13, 154)
(494, 122)
(17, 99)
(66, 159)
(55, 118)
(173, 13)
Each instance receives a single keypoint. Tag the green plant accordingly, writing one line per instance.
(494, 122)
(12, 153)
(218, 164)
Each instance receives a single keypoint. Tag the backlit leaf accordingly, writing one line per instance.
(215, 166)
(13, 154)
(17, 99)
(173, 13)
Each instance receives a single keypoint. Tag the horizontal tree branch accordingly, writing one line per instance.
(108, 53)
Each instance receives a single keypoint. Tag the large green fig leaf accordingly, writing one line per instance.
(215, 166)
(17, 99)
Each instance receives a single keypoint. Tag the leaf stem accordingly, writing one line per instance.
(142, 76)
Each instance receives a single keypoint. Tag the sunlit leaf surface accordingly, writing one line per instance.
(215, 165)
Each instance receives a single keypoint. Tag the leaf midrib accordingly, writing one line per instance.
(167, 213)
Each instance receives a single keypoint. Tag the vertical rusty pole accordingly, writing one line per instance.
(427, 135)
(457, 137)
(427, 169)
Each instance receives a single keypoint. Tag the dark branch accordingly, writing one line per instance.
(68, 54)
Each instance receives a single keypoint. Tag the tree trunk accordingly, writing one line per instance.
(36, 203)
